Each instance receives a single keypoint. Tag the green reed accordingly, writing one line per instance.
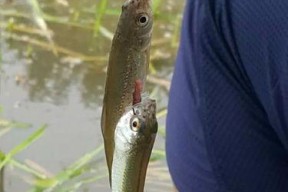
(99, 13)
(78, 170)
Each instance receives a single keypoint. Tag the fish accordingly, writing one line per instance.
(128, 64)
(135, 134)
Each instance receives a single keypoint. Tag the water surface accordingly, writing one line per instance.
(65, 90)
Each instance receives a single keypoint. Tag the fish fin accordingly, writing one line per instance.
(107, 144)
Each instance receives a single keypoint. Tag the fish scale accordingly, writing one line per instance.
(133, 146)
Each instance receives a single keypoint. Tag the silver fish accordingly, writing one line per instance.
(134, 138)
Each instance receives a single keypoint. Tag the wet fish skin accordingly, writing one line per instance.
(128, 62)
(134, 138)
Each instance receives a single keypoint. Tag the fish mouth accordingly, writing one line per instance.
(141, 102)
(145, 105)
(146, 108)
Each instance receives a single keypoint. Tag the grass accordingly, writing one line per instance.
(8, 158)
(5, 158)
(43, 181)
(99, 13)
(78, 168)
(96, 25)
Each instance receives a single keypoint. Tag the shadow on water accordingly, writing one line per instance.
(60, 83)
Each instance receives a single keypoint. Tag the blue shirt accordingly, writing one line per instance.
(227, 124)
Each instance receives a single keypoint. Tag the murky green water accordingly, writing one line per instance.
(64, 89)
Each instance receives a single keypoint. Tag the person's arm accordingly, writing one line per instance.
(228, 108)
(185, 145)
(260, 31)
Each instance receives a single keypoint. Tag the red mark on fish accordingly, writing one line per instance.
(137, 91)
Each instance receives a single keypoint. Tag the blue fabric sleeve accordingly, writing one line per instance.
(227, 123)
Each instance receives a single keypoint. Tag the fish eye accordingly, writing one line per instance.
(135, 124)
(142, 20)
